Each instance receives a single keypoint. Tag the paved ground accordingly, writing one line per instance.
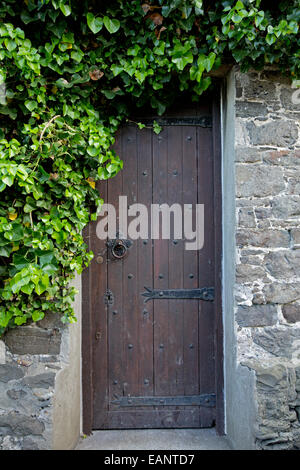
(154, 439)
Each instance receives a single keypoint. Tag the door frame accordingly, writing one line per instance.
(88, 340)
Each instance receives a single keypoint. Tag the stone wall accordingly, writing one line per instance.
(40, 384)
(29, 363)
(267, 289)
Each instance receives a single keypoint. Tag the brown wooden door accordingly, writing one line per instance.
(152, 362)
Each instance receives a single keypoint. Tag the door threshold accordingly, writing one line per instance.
(154, 439)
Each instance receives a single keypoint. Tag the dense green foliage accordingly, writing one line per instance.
(69, 73)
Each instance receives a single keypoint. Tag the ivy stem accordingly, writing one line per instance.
(42, 134)
(46, 127)
(135, 122)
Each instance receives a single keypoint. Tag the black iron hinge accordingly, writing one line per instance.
(206, 293)
(186, 400)
(201, 121)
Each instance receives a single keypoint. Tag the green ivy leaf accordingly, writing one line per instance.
(112, 25)
(156, 128)
(270, 38)
(11, 112)
(19, 280)
(65, 9)
(21, 261)
(239, 5)
(37, 315)
(20, 320)
(259, 18)
(28, 288)
(208, 62)
(42, 284)
(77, 55)
(5, 251)
(25, 17)
(116, 69)
(5, 317)
(10, 44)
(94, 23)
(16, 233)
(181, 62)
(8, 180)
(31, 105)
(46, 257)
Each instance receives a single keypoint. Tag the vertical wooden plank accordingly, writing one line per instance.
(114, 283)
(161, 268)
(98, 286)
(206, 271)
(176, 256)
(190, 270)
(130, 270)
(145, 266)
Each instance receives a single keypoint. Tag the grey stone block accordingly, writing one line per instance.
(248, 154)
(16, 394)
(252, 260)
(29, 444)
(287, 159)
(249, 273)
(51, 320)
(261, 91)
(258, 181)
(252, 251)
(10, 372)
(263, 238)
(271, 376)
(294, 186)
(291, 312)
(286, 98)
(295, 234)
(297, 445)
(256, 315)
(278, 133)
(281, 342)
(263, 213)
(246, 217)
(33, 340)
(44, 380)
(247, 109)
(284, 264)
(42, 395)
(20, 424)
(286, 206)
(282, 293)
(257, 202)
(275, 76)
(10, 443)
(263, 216)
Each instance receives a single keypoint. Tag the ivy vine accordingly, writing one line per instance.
(69, 73)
